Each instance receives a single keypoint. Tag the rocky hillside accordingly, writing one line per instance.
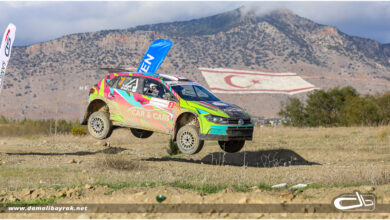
(51, 79)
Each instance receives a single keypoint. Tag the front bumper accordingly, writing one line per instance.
(226, 133)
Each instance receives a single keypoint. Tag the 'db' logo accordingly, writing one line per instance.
(355, 202)
(7, 48)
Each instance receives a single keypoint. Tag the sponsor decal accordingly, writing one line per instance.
(159, 102)
(151, 114)
(7, 48)
(2, 73)
(240, 81)
(355, 201)
(219, 104)
(6, 36)
(173, 83)
(154, 56)
(144, 67)
(171, 104)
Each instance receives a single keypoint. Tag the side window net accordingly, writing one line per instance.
(155, 89)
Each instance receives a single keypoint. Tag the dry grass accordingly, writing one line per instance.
(119, 162)
(383, 133)
(29, 127)
(347, 156)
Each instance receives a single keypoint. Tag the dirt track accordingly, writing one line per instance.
(331, 161)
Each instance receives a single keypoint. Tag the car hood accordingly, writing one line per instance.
(218, 107)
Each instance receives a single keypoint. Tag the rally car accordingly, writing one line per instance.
(174, 105)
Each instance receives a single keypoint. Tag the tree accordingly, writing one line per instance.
(324, 108)
(384, 107)
(338, 107)
(294, 111)
(362, 111)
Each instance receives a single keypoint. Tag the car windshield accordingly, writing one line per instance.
(194, 93)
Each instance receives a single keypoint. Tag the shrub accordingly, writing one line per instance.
(120, 162)
(361, 111)
(78, 130)
(383, 102)
(173, 149)
(3, 120)
(338, 107)
(28, 127)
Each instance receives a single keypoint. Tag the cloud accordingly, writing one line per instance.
(365, 19)
(42, 21)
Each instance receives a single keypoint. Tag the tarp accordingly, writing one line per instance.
(5, 50)
(154, 56)
(241, 82)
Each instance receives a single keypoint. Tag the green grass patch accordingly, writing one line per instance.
(202, 188)
(42, 201)
(242, 188)
(56, 187)
(319, 186)
(264, 186)
(117, 186)
(215, 188)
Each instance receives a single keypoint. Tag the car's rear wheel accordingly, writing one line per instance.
(231, 146)
(139, 133)
(99, 125)
(188, 140)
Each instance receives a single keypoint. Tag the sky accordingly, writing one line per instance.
(43, 21)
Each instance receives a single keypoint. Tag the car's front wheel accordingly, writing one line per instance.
(231, 146)
(188, 140)
(99, 125)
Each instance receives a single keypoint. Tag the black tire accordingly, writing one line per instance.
(188, 140)
(139, 133)
(99, 125)
(231, 146)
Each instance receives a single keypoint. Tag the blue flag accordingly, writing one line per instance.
(154, 56)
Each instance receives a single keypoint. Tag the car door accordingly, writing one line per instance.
(115, 114)
(160, 106)
(127, 102)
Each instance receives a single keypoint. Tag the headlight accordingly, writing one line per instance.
(216, 119)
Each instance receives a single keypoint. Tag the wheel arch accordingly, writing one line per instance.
(184, 119)
(94, 106)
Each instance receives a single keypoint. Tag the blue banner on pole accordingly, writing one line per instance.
(154, 56)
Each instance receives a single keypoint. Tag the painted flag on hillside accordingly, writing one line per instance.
(5, 50)
(240, 81)
(154, 56)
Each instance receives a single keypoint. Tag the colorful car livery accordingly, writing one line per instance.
(174, 105)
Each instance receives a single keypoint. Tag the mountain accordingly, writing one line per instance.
(52, 79)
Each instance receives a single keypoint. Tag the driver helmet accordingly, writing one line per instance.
(152, 86)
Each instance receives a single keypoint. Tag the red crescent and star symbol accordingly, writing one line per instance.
(228, 80)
